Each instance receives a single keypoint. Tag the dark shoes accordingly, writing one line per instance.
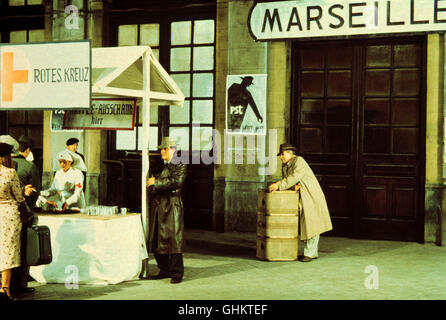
(175, 280)
(23, 290)
(5, 295)
(307, 259)
(159, 276)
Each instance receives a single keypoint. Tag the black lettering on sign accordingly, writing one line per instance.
(334, 15)
(392, 23)
(356, 14)
(315, 18)
(271, 20)
(36, 75)
(291, 23)
(412, 15)
(436, 11)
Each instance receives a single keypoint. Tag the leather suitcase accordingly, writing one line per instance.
(38, 246)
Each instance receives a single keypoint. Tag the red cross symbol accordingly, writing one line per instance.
(79, 185)
(9, 76)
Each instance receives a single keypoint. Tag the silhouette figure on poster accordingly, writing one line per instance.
(238, 99)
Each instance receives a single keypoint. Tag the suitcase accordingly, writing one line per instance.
(38, 246)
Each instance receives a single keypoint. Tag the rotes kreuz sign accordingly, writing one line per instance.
(54, 75)
(327, 18)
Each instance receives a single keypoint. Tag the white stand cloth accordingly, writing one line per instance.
(92, 249)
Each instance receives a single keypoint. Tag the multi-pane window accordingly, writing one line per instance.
(133, 35)
(192, 48)
(14, 3)
(140, 34)
(26, 122)
(188, 55)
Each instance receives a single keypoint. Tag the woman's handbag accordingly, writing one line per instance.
(25, 213)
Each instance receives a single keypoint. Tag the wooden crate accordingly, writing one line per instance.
(278, 202)
(277, 225)
(277, 249)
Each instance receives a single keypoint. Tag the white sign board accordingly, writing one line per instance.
(54, 75)
(246, 104)
(105, 114)
(327, 18)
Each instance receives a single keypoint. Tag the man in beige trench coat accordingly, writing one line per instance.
(314, 216)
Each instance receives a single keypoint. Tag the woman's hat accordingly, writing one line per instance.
(12, 142)
(166, 142)
(286, 146)
(5, 149)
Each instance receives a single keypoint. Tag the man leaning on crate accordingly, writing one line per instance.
(314, 217)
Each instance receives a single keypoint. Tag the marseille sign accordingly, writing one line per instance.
(327, 18)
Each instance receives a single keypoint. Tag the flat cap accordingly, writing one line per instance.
(72, 141)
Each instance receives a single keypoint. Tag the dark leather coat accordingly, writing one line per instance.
(166, 222)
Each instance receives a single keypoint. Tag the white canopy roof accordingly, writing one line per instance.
(119, 71)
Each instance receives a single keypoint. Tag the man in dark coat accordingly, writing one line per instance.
(30, 182)
(166, 222)
(27, 171)
(72, 145)
(239, 98)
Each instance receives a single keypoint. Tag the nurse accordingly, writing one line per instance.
(66, 191)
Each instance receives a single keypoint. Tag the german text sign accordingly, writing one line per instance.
(326, 18)
(55, 75)
(105, 114)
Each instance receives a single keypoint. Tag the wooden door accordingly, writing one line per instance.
(359, 122)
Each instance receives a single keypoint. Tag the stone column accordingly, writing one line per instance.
(434, 140)
(238, 179)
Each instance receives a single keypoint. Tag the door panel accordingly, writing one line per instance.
(359, 114)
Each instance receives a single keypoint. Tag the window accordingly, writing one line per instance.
(189, 56)
(132, 35)
(28, 123)
(14, 3)
(192, 47)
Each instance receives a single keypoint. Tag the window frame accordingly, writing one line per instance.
(164, 21)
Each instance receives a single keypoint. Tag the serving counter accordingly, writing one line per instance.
(92, 249)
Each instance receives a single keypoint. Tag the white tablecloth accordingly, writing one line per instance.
(92, 249)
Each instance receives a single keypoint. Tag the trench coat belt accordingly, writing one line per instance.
(168, 193)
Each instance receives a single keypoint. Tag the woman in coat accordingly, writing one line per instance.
(314, 216)
(10, 223)
(166, 223)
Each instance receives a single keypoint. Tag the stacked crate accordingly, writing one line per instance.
(277, 225)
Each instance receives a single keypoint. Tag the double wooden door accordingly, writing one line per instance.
(358, 119)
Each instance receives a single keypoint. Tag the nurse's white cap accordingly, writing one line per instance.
(65, 155)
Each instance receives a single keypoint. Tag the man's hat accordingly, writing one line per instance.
(247, 79)
(5, 149)
(286, 146)
(166, 142)
(72, 141)
(12, 142)
(28, 141)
